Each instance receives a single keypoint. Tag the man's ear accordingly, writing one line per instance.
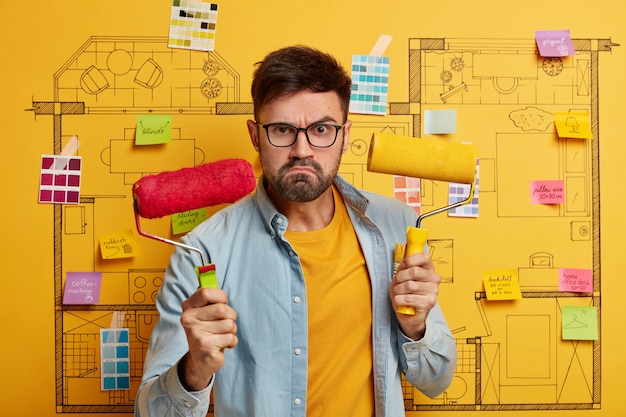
(346, 136)
(254, 134)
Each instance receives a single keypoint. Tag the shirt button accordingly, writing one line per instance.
(297, 299)
(279, 220)
(187, 404)
(297, 351)
(297, 401)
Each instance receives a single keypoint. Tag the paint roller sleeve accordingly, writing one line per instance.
(210, 184)
(433, 159)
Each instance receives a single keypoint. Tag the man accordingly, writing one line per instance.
(304, 322)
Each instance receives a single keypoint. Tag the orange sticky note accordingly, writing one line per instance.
(502, 284)
(116, 245)
(573, 125)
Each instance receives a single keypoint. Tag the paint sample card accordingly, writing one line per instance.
(573, 125)
(153, 129)
(554, 43)
(114, 359)
(579, 323)
(438, 122)
(547, 192)
(408, 190)
(186, 221)
(82, 288)
(59, 181)
(192, 25)
(502, 284)
(117, 245)
(575, 280)
(459, 192)
(370, 84)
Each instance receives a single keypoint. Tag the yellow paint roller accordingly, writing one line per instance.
(432, 159)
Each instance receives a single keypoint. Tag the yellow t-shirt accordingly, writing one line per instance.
(340, 378)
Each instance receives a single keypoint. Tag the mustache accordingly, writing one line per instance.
(301, 163)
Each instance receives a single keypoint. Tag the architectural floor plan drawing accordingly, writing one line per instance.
(511, 354)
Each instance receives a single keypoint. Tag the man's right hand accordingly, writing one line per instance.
(209, 324)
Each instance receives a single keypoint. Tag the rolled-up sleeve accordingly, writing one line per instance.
(429, 363)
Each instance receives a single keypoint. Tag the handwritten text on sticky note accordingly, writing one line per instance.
(82, 288)
(579, 323)
(153, 129)
(575, 280)
(186, 221)
(554, 43)
(121, 244)
(547, 192)
(502, 284)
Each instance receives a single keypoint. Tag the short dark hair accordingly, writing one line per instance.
(297, 68)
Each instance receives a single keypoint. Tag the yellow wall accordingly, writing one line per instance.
(39, 38)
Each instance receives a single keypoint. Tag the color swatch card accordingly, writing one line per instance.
(370, 84)
(192, 25)
(114, 359)
(460, 192)
(408, 190)
(60, 179)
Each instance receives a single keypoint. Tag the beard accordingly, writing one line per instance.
(301, 187)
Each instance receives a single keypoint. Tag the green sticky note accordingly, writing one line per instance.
(579, 323)
(186, 221)
(153, 129)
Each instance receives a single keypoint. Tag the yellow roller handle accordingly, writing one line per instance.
(416, 239)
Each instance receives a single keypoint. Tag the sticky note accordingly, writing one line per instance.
(573, 125)
(579, 323)
(186, 221)
(153, 129)
(116, 245)
(575, 280)
(502, 284)
(547, 192)
(439, 121)
(554, 43)
(82, 288)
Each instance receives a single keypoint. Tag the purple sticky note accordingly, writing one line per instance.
(554, 43)
(547, 192)
(575, 280)
(82, 288)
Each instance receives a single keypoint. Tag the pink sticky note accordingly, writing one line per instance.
(554, 43)
(547, 192)
(575, 280)
(82, 288)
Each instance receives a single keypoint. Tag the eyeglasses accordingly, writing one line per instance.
(319, 135)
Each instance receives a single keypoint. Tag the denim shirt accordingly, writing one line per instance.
(266, 374)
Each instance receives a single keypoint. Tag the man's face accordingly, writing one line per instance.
(300, 172)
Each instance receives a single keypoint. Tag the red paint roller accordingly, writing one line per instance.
(171, 192)
(431, 159)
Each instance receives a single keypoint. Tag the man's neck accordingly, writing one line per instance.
(307, 216)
